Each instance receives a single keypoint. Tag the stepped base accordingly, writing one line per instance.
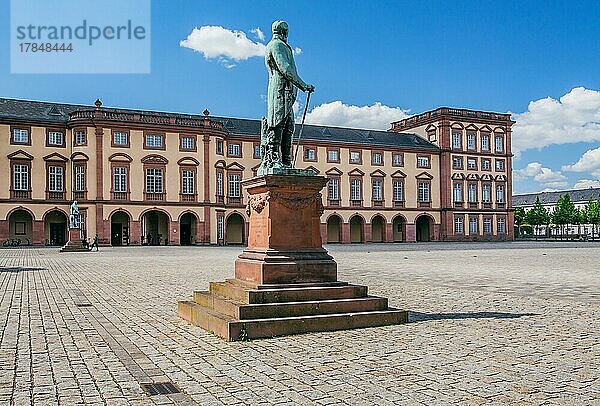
(236, 310)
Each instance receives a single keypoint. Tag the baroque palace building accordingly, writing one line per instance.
(143, 177)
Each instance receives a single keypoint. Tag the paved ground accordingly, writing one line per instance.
(502, 323)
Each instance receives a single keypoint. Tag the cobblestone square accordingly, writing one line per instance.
(489, 323)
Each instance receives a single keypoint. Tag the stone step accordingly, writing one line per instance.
(234, 330)
(242, 294)
(243, 311)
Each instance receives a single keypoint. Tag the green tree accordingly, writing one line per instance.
(593, 213)
(564, 213)
(520, 218)
(537, 216)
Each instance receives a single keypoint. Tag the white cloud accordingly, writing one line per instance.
(376, 116)
(548, 189)
(216, 42)
(589, 162)
(586, 184)
(546, 176)
(575, 117)
(297, 51)
(259, 34)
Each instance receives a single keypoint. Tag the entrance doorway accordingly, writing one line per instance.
(155, 228)
(423, 225)
(356, 229)
(399, 227)
(234, 230)
(55, 228)
(334, 229)
(187, 226)
(20, 227)
(378, 229)
(119, 229)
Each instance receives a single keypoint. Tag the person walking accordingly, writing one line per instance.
(95, 243)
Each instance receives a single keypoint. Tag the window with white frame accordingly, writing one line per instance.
(473, 225)
(501, 225)
(377, 158)
(220, 227)
(355, 189)
(499, 143)
(79, 137)
(471, 163)
(55, 138)
(79, 181)
(310, 154)
(422, 162)
(377, 189)
(398, 190)
(333, 189)
(457, 162)
(188, 143)
(333, 155)
(485, 193)
(257, 151)
(458, 225)
(154, 140)
(485, 165)
(120, 138)
(120, 179)
(472, 193)
(21, 135)
(485, 142)
(234, 185)
(423, 192)
(20, 177)
(56, 179)
(154, 180)
(457, 140)
(500, 165)
(220, 191)
(487, 225)
(397, 159)
(234, 149)
(220, 147)
(499, 193)
(458, 194)
(187, 182)
(471, 141)
(354, 157)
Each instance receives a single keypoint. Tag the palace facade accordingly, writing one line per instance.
(143, 177)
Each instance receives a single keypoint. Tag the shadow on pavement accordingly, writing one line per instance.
(19, 269)
(418, 316)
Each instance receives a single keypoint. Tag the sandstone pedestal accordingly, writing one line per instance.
(285, 282)
(74, 244)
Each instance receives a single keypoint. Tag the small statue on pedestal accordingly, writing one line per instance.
(74, 216)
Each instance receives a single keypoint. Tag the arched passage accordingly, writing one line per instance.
(187, 228)
(378, 229)
(424, 227)
(119, 228)
(55, 227)
(356, 229)
(155, 228)
(399, 229)
(234, 229)
(20, 227)
(334, 229)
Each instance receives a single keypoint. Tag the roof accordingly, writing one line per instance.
(59, 112)
(580, 195)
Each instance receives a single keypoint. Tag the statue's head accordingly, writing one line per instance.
(280, 27)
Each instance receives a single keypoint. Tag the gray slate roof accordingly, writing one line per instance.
(580, 195)
(59, 112)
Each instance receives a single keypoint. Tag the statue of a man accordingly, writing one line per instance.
(278, 126)
(74, 217)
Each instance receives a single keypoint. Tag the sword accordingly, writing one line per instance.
(301, 128)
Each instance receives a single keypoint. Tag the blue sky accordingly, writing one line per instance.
(408, 56)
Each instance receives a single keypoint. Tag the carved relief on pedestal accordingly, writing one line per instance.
(257, 203)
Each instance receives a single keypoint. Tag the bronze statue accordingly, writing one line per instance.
(278, 127)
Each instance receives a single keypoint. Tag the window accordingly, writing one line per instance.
(397, 159)
(499, 143)
(333, 189)
(398, 190)
(377, 189)
(187, 182)
(377, 158)
(486, 165)
(471, 163)
(457, 162)
(500, 165)
(220, 227)
(154, 180)
(501, 225)
(120, 138)
(310, 154)
(422, 162)
(458, 194)
(471, 141)
(20, 177)
(355, 157)
(55, 179)
(456, 140)
(473, 225)
(333, 155)
(154, 140)
(355, 189)
(472, 193)
(234, 150)
(423, 192)
(79, 181)
(234, 185)
(458, 225)
(485, 142)
(55, 138)
(220, 191)
(499, 193)
(487, 225)
(257, 150)
(485, 193)
(80, 137)
(187, 143)
(220, 147)
(20, 136)
(120, 179)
